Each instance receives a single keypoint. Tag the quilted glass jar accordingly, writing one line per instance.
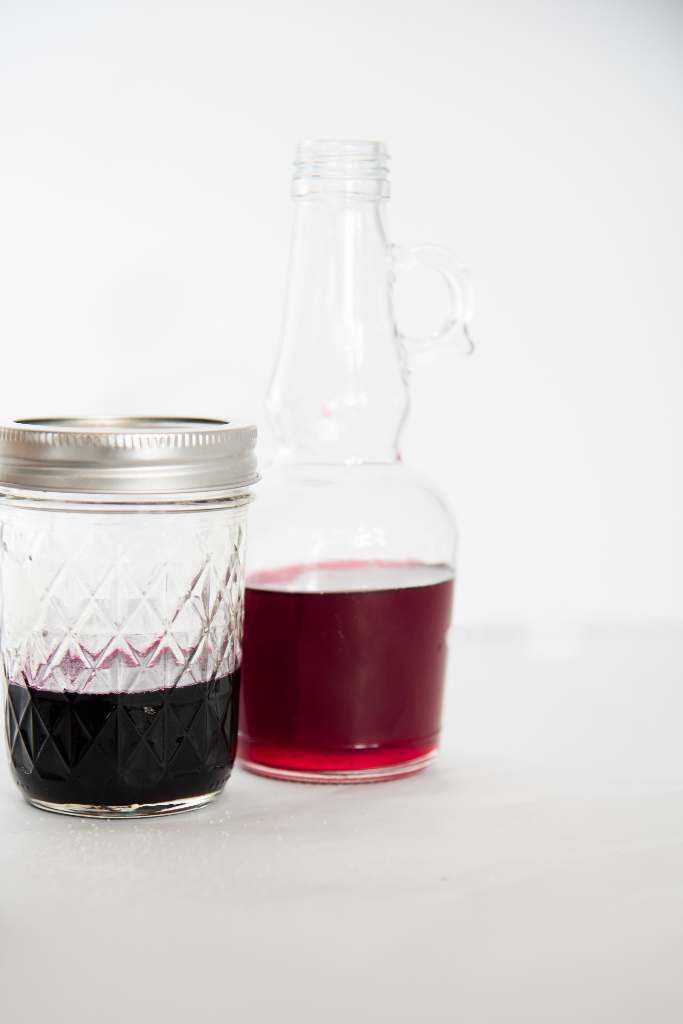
(121, 601)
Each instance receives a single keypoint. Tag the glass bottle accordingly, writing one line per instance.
(352, 555)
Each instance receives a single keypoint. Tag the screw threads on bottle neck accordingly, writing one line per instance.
(355, 167)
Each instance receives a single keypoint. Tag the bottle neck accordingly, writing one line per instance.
(338, 392)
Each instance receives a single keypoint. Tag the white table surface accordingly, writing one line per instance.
(535, 873)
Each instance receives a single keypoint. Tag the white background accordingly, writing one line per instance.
(145, 160)
(534, 873)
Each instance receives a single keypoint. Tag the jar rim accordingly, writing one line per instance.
(132, 459)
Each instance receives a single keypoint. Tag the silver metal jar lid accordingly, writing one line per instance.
(129, 458)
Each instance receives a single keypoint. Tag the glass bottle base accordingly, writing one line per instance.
(339, 775)
(189, 803)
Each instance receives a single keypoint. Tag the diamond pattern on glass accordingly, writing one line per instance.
(120, 602)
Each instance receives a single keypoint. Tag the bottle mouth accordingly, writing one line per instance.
(347, 166)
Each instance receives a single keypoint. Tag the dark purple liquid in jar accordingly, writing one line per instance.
(343, 667)
(120, 749)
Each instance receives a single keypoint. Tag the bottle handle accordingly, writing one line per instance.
(454, 328)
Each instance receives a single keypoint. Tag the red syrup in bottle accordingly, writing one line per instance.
(343, 669)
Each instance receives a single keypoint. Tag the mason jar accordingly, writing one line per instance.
(122, 548)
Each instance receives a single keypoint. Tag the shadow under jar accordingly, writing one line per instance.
(121, 599)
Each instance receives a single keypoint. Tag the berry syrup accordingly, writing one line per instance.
(121, 749)
(343, 669)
